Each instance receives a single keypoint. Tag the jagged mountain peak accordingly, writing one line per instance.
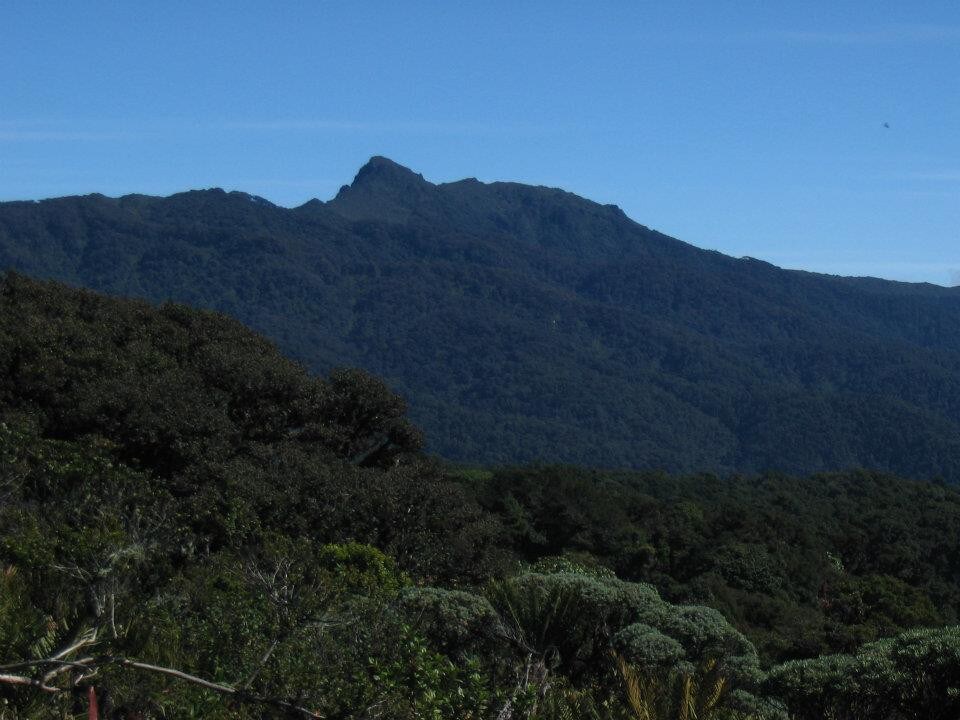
(380, 174)
(383, 189)
(380, 169)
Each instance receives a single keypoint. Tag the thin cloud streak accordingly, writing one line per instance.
(941, 175)
(62, 130)
(891, 35)
(64, 136)
(361, 126)
(929, 194)
(49, 130)
(880, 36)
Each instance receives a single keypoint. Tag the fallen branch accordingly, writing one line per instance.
(24, 680)
(66, 666)
(241, 695)
(89, 666)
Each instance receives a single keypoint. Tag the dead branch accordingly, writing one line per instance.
(89, 666)
(24, 680)
(220, 688)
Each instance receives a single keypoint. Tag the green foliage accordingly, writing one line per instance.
(673, 694)
(572, 565)
(176, 492)
(242, 438)
(563, 702)
(706, 635)
(23, 627)
(913, 675)
(422, 683)
(564, 619)
(598, 633)
(802, 566)
(363, 421)
(202, 530)
(646, 648)
(459, 623)
(252, 622)
(683, 663)
(361, 569)
(80, 529)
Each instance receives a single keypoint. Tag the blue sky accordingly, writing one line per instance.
(753, 128)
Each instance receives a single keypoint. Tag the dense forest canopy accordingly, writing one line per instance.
(192, 525)
(527, 324)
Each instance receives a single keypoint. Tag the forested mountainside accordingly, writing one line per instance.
(192, 525)
(525, 323)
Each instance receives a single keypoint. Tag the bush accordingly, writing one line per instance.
(915, 675)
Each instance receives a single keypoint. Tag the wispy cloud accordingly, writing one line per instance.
(902, 34)
(401, 127)
(299, 125)
(39, 130)
(936, 176)
(43, 130)
(895, 34)
(62, 136)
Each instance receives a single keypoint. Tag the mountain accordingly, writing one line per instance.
(525, 323)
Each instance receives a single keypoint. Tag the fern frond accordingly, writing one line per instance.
(713, 697)
(687, 709)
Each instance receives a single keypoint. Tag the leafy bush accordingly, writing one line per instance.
(913, 675)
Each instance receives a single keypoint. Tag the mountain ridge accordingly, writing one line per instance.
(525, 323)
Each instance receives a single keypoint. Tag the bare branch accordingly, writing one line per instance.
(24, 680)
(88, 638)
(64, 666)
(89, 666)
(175, 673)
(217, 687)
(260, 665)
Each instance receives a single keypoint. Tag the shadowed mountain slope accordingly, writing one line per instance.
(525, 323)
